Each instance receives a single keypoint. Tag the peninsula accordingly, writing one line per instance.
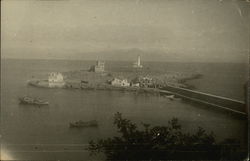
(134, 78)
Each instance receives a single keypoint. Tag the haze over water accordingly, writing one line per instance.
(161, 30)
(28, 130)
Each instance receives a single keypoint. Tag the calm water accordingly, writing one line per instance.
(29, 132)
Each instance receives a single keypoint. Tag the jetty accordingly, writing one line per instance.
(228, 104)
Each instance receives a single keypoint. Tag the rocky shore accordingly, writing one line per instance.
(159, 79)
(86, 80)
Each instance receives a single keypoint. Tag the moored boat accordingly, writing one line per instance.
(92, 123)
(32, 101)
(171, 97)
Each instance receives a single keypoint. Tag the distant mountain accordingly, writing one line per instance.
(127, 55)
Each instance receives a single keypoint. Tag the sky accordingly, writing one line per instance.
(177, 30)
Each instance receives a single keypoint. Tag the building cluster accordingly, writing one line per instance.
(98, 67)
(120, 82)
(144, 82)
(55, 79)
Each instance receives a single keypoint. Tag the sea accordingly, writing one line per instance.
(31, 133)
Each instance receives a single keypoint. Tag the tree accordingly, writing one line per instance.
(156, 143)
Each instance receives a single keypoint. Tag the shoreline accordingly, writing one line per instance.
(172, 93)
(77, 84)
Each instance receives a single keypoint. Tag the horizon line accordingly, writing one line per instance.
(64, 59)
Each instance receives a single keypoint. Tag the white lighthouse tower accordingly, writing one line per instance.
(137, 64)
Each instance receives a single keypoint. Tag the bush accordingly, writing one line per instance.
(156, 143)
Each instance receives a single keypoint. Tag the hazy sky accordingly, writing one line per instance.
(199, 30)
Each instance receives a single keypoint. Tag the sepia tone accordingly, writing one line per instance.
(124, 80)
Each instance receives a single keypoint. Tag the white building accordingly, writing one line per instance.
(135, 84)
(120, 82)
(99, 67)
(146, 81)
(56, 79)
(137, 64)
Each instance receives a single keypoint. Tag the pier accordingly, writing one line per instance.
(220, 102)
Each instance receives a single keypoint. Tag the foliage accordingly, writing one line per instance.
(156, 143)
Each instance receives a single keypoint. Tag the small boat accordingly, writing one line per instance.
(32, 101)
(171, 97)
(92, 123)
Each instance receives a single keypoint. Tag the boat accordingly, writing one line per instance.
(79, 124)
(32, 101)
(171, 97)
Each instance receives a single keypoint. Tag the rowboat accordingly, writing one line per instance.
(79, 124)
(32, 101)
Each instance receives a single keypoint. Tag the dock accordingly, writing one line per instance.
(228, 104)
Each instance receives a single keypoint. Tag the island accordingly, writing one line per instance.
(128, 79)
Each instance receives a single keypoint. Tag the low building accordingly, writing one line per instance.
(135, 84)
(120, 82)
(98, 67)
(55, 79)
(146, 82)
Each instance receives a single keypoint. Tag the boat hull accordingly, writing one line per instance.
(31, 101)
(81, 124)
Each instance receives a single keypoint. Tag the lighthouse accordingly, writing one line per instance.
(137, 64)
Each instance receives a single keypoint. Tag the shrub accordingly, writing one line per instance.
(156, 143)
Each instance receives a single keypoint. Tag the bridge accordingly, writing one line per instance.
(224, 103)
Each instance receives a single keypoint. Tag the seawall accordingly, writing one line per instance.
(209, 99)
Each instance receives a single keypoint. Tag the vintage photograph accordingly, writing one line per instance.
(104, 80)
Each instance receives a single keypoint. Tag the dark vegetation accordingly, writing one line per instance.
(163, 143)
